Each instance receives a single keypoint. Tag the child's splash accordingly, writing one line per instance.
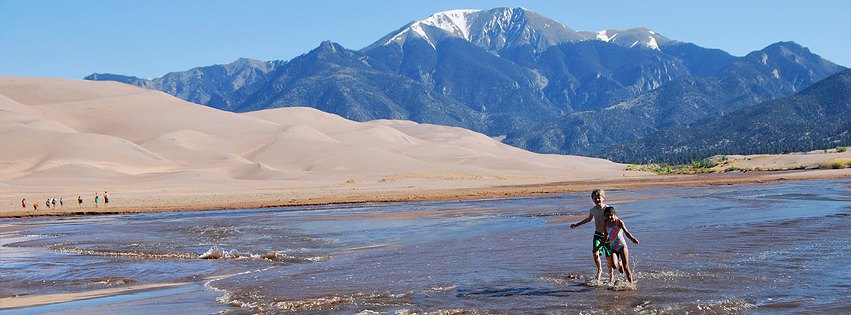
(621, 285)
(596, 283)
(565, 279)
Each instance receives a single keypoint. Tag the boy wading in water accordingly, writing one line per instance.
(596, 214)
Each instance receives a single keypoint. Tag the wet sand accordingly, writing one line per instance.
(27, 301)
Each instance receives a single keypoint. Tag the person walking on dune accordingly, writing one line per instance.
(80, 201)
(105, 199)
(97, 199)
(24, 203)
(35, 206)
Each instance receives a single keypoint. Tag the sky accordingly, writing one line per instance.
(147, 39)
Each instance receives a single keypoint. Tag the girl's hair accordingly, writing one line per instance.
(610, 209)
(598, 192)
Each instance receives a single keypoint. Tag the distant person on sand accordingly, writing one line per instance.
(53, 202)
(105, 199)
(24, 203)
(35, 205)
(47, 203)
(615, 231)
(62, 202)
(596, 214)
(80, 201)
(97, 198)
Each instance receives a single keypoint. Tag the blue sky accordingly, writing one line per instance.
(74, 38)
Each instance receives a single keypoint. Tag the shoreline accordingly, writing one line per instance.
(346, 195)
(26, 301)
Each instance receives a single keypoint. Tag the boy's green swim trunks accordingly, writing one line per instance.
(599, 237)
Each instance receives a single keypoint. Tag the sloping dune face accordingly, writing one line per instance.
(106, 131)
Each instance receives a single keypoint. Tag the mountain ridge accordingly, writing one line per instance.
(511, 80)
(504, 28)
(808, 120)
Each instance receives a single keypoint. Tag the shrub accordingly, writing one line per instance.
(733, 169)
(834, 165)
(841, 149)
(705, 163)
(664, 170)
(661, 169)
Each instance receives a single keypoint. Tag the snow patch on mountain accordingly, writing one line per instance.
(652, 43)
(635, 37)
(455, 22)
(603, 36)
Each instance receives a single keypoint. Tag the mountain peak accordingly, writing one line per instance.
(460, 23)
(455, 22)
(243, 63)
(501, 28)
(791, 53)
(493, 30)
(329, 46)
(792, 62)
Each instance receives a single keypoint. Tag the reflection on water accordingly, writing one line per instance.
(734, 249)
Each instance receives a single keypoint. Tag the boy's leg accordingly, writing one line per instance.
(598, 238)
(599, 266)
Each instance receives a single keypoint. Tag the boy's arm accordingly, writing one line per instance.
(627, 233)
(586, 220)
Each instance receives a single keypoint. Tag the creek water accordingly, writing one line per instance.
(760, 249)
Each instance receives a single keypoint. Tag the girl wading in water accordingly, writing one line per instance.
(615, 231)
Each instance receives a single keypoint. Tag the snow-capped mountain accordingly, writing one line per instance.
(493, 30)
(511, 74)
(502, 28)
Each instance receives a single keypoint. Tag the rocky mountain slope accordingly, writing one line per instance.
(815, 118)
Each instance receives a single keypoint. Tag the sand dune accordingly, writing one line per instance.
(73, 137)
